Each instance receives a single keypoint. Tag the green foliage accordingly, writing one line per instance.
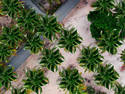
(70, 40)
(34, 43)
(80, 89)
(96, 33)
(50, 27)
(90, 59)
(18, 91)
(28, 19)
(11, 7)
(7, 76)
(101, 22)
(51, 58)
(105, 22)
(106, 26)
(120, 8)
(5, 52)
(123, 56)
(106, 76)
(120, 89)
(35, 79)
(109, 41)
(120, 15)
(90, 90)
(11, 36)
(104, 5)
(70, 80)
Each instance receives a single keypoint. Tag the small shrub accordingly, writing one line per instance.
(70, 40)
(70, 80)
(35, 79)
(90, 59)
(109, 41)
(51, 58)
(106, 76)
(7, 76)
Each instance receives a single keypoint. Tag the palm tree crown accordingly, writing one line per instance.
(11, 7)
(35, 79)
(106, 76)
(70, 40)
(11, 36)
(90, 59)
(34, 43)
(70, 80)
(51, 58)
(7, 76)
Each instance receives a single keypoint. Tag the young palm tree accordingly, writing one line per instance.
(120, 8)
(34, 43)
(50, 27)
(28, 20)
(11, 7)
(11, 36)
(90, 59)
(100, 23)
(104, 5)
(123, 56)
(51, 58)
(70, 80)
(35, 79)
(106, 76)
(70, 40)
(119, 89)
(109, 41)
(5, 52)
(18, 91)
(7, 76)
(120, 15)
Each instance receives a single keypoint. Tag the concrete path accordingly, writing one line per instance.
(61, 13)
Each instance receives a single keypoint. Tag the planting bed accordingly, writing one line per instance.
(77, 18)
(49, 6)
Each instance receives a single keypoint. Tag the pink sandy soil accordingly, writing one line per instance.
(77, 18)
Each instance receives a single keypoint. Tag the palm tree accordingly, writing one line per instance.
(28, 20)
(107, 76)
(119, 89)
(100, 23)
(11, 36)
(5, 52)
(120, 15)
(7, 76)
(123, 56)
(18, 91)
(11, 7)
(50, 27)
(90, 59)
(33, 43)
(70, 80)
(35, 79)
(120, 8)
(109, 41)
(70, 40)
(51, 58)
(104, 5)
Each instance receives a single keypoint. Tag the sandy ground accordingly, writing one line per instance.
(78, 19)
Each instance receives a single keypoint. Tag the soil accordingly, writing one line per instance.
(76, 18)
(47, 7)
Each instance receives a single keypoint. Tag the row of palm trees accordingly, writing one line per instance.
(28, 30)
